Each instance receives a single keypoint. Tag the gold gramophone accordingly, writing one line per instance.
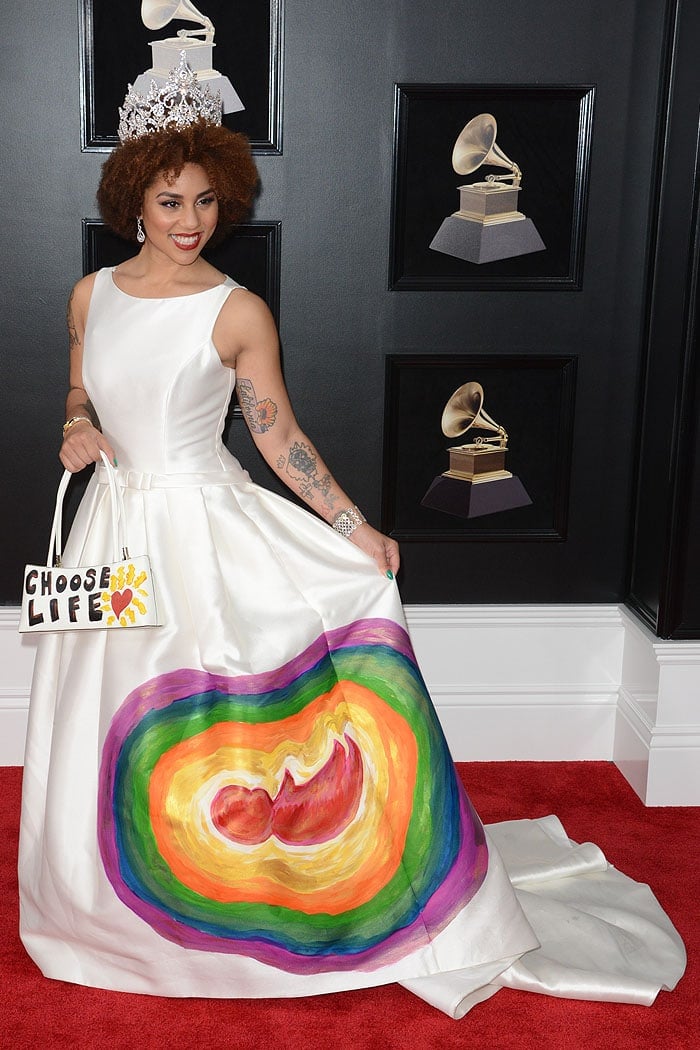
(488, 225)
(156, 14)
(477, 481)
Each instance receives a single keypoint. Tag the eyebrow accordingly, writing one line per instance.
(179, 196)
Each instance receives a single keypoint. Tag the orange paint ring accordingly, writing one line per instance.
(358, 864)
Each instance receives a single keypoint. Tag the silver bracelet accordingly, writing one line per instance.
(348, 520)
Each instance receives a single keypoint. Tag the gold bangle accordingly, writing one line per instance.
(73, 420)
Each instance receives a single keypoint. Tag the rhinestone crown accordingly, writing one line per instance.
(180, 102)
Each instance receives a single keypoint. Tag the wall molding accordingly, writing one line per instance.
(522, 682)
(657, 726)
(16, 663)
(516, 682)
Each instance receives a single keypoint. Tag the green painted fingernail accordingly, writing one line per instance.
(390, 574)
(115, 461)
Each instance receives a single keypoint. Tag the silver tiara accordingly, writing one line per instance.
(180, 102)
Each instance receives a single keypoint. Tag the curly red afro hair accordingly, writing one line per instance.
(135, 164)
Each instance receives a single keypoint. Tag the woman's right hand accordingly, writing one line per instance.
(82, 445)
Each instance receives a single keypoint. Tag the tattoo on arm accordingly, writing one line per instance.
(302, 466)
(73, 337)
(259, 415)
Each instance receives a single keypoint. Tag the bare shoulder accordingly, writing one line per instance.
(245, 321)
(246, 306)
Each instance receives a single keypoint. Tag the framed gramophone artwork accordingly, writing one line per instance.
(490, 186)
(477, 447)
(235, 48)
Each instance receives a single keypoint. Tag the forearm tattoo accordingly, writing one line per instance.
(260, 415)
(302, 467)
(73, 337)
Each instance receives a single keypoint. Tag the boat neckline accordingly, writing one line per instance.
(164, 298)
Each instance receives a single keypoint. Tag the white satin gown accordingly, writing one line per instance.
(256, 798)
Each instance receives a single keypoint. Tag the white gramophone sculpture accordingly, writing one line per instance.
(477, 482)
(488, 225)
(156, 14)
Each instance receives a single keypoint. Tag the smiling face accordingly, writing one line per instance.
(179, 217)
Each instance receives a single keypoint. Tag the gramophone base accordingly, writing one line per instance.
(478, 243)
(467, 499)
(166, 56)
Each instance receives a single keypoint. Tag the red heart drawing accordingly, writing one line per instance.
(120, 600)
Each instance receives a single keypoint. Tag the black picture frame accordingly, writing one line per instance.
(248, 49)
(531, 396)
(251, 255)
(546, 129)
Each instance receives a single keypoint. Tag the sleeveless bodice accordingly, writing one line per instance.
(156, 381)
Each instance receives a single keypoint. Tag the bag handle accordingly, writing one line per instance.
(118, 517)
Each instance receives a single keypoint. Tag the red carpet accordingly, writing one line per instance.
(594, 802)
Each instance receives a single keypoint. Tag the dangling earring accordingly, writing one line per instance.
(140, 232)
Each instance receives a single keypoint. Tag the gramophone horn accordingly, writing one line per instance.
(465, 410)
(476, 145)
(157, 13)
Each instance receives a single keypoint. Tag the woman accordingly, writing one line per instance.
(254, 798)
(179, 217)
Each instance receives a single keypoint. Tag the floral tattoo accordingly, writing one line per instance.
(260, 415)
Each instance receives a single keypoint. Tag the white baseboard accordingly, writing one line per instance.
(533, 683)
(522, 682)
(16, 663)
(657, 730)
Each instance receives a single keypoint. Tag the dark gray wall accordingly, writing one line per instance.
(332, 190)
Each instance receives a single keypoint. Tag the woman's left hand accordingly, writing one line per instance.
(383, 549)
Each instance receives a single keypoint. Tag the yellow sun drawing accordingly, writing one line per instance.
(123, 599)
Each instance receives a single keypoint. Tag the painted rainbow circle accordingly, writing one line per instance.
(309, 817)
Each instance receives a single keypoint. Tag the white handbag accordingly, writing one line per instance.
(116, 594)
